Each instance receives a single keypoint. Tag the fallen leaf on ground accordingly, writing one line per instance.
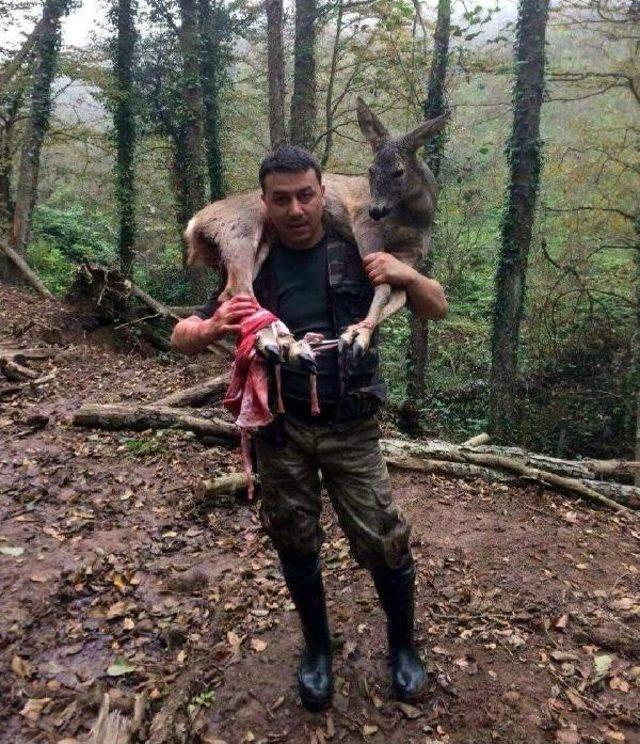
(626, 603)
(369, 729)
(602, 664)
(410, 711)
(568, 736)
(562, 622)
(20, 666)
(15, 552)
(258, 645)
(613, 736)
(33, 708)
(120, 668)
(620, 684)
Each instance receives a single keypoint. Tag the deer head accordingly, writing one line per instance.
(398, 177)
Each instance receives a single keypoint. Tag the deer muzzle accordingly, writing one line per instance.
(378, 212)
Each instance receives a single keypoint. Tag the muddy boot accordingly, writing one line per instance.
(396, 589)
(303, 577)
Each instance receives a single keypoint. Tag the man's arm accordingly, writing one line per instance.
(425, 295)
(193, 334)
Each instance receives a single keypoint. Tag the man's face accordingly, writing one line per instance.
(294, 204)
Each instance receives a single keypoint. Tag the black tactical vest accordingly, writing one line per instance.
(362, 392)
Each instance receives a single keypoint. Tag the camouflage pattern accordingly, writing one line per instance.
(347, 461)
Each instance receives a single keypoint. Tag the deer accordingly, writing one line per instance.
(392, 210)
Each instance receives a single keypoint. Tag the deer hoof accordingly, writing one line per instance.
(267, 345)
(301, 354)
(357, 338)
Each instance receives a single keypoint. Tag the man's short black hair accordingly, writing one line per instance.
(289, 159)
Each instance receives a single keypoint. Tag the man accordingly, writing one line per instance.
(314, 280)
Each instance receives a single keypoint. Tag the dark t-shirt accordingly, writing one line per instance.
(304, 306)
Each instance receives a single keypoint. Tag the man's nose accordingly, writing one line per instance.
(295, 207)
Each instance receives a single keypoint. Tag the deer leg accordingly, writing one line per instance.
(275, 342)
(359, 334)
(267, 344)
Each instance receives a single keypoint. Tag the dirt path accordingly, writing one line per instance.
(112, 579)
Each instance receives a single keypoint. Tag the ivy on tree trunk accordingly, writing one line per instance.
(125, 131)
(46, 48)
(524, 159)
(213, 29)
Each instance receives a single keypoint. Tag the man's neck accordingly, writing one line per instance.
(320, 233)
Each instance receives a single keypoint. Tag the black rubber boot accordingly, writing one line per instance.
(303, 577)
(396, 589)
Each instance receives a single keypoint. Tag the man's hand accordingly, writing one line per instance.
(426, 296)
(383, 268)
(229, 316)
(192, 335)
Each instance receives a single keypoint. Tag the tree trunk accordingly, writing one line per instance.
(213, 29)
(125, 132)
(46, 46)
(303, 101)
(191, 165)
(524, 156)
(418, 351)
(6, 160)
(329, 108)
(636, 341)
(10, 69)
(275, 65)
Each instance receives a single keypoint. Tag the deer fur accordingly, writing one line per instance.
(390, 211)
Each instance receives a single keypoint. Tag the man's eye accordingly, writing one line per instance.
(305, 198)
(280, 201)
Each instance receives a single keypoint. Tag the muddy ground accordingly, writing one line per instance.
(113, 578)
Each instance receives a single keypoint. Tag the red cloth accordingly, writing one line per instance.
(247, 394)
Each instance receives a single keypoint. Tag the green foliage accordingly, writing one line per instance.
(65, 232)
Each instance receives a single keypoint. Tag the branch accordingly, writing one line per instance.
(13, 65)
(622, 213)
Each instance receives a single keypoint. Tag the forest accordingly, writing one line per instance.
(119, 120)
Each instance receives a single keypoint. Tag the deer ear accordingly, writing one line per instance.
(422, 134)
(372, 128)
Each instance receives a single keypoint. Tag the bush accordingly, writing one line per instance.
(64, 233)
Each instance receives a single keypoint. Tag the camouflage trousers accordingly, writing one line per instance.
(347, 460)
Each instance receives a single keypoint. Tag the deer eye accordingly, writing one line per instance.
(398, 173)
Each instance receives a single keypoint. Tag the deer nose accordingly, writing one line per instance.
(377, 213)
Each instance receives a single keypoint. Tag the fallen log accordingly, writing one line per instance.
(573, 485)
(28, 273)
(224, 485)
(443, 467)
(13, 363)
(612, 495)
(138, 418)
(477, 440)
(401, 453)
(588, 469)
(197, 394)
